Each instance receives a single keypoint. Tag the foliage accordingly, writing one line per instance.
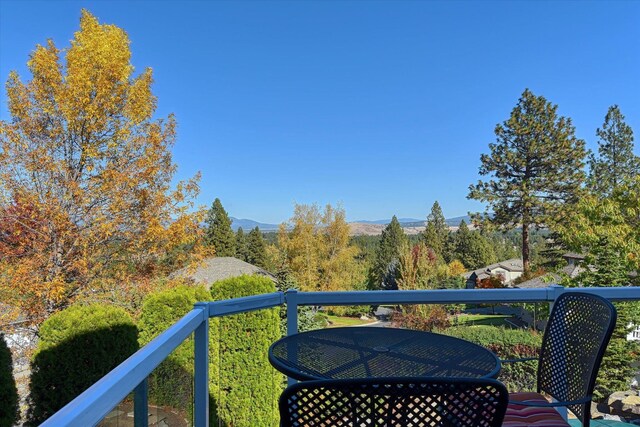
(219, 233)
(607, 229)
(318, 249)
(9, 410)
(385, 269)
(247, 386)
(422, 318)
(507, 344)
(536, 168)
(615, 162)
(473, 249)
(77, 347)
(242, 251)
(85, 174)
(170, 383)
(436, 231)
(491, 282)
(256, 248)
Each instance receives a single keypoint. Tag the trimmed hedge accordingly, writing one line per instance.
(171, 383)
(9, 411)
(247, 387)
(507, 344)
(77, 347)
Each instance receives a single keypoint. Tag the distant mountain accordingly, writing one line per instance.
(402, 221)
(454, 222)
(249, 224)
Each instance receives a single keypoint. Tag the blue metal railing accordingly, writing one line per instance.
(97, 401)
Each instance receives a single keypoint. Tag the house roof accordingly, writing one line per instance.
(219, 268)
(513, 264)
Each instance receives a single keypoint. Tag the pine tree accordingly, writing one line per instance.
(241, 245)
(615, 162)
(219, 233)
(256, 248)
(536, 164)
(436, 231)
(384, 272)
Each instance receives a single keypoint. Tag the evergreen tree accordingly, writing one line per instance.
(241, 245)
(385, 269)
(536, 164)
(472, 248)
(256, 248)
(436, 231)
(615, 162)
(219, 233)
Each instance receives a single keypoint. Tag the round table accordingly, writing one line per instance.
(369, 352)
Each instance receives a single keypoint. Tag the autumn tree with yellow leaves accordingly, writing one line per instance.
(85, 173)
(318, 251)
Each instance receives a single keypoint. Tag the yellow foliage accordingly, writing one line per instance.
(84, 155)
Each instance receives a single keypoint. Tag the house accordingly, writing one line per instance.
(508, 270)
(219, 268)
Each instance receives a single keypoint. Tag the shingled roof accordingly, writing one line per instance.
(219, 268)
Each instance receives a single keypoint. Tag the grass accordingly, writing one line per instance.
(483, 319)
(337, 321)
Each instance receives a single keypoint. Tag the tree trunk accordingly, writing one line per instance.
(525, 246)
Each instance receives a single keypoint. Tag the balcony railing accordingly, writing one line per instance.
(97, 401)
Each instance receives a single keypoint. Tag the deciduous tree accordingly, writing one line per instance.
(85, 174)
(535, 167)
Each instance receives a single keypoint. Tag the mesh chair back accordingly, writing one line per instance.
(574, 341)
(400, 402)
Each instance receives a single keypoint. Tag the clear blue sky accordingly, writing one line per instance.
(382, 106)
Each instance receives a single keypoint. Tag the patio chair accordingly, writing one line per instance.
(421, 401)
(574, 341)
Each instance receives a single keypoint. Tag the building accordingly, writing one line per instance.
(508, 270)
(213, 269)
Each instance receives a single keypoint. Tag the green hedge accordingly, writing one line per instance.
(247, 387)
(8, 391)
(507, 344)
(77, 347)
(171, 383)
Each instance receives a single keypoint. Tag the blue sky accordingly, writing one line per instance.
(384, 107)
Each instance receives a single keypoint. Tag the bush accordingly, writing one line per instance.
(507, 344)
(8, 392)
(247, 386)
(171, 383)
(77, 347)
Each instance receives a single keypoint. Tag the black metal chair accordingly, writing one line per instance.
(575, 339)
(400, 402)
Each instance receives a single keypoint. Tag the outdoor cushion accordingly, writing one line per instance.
(532, 416)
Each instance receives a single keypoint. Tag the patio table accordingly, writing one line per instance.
(369, 352)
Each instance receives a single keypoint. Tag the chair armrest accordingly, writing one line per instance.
(524, 359)
(552, 404)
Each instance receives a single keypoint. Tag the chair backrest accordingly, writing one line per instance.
(378, 402)
(576, 336)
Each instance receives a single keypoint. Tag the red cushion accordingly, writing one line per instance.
(523, 416)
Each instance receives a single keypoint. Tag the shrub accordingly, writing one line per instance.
(77, 347)
(8, 392)
(171, 383)
(247, 386)
(422, 318)
(507, 344)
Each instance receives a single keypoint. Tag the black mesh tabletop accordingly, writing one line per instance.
(367, 352)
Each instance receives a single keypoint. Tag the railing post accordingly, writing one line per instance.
(141, 404)
(201, 375)
(291, 298)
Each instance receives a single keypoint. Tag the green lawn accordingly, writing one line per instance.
(482, 319)
(336, 321)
